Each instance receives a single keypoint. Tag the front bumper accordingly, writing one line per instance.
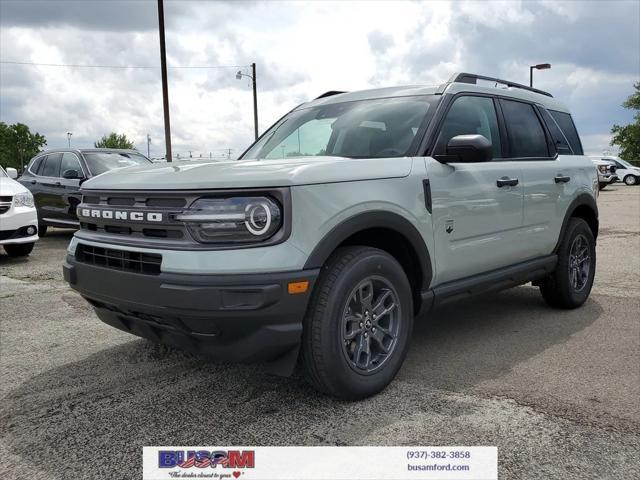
(241, 318)
(14, 223)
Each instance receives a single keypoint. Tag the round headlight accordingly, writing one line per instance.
(258, 218)
(233, 219)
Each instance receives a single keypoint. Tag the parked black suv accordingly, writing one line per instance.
(54, 177)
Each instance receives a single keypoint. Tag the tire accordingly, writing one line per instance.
(560, 289)
(19, 249)
(631, 180)
(602, 185)
(328, 358)
(42, 230)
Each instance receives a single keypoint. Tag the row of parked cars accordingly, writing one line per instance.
(613, 169)
(48, 192)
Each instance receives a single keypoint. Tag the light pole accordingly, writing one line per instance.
(239, 76)
(148, 143)
(540, 66)
(165, 86)
(69, 138)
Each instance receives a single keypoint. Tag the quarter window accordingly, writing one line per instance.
(569, 129)
(526, 135)
(51, 166)
(470, 115)
(36, 165)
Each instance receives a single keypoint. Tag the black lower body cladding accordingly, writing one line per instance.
(240, 318)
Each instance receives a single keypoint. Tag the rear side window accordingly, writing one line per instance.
(559, 139)
(51, 166)
(526, 135)
(569, 129)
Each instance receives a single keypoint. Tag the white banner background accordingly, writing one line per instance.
(335, 463)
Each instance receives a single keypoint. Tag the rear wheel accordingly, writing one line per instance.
(19, 249)
(630, 180)
(357, 329)
(602, 185)
(570, 284)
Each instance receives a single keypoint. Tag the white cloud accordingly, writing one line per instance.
(302, 50)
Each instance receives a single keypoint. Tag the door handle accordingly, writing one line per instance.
(562, 178)
(506, 182)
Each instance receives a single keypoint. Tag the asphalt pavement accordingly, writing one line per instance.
(557, 391)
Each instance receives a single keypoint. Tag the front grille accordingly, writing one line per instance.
(5, 203)
(145, 233)
(136, 262)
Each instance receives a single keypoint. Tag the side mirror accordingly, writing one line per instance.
(469, 149)
(71, 175)
(12, 172)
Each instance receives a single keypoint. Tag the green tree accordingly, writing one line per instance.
(113, 140)
(18, 145)
(627, 137)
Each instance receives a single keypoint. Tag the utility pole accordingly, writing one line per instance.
(148, 143)
(165, 87)
(239, 75)
(69, 138)
(255, 101)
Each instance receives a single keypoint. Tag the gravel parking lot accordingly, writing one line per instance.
(557, 391)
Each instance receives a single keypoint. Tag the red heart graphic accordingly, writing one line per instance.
(236, 474)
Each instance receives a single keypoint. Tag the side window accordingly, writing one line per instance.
(70, 162)
(35, 165)
(526, 135)
(569, 129)
(51, 166)
(562, 144)
(470, 115)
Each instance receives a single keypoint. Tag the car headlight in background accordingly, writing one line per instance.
(233, 219)
(24, 199)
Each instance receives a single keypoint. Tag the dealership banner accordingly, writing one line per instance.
(320, 463)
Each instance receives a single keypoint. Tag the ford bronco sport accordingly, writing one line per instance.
(353, 214)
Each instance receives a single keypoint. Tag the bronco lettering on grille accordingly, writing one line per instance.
(121, 215)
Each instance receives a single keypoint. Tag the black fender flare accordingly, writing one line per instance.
(584, 199)
(373, 219)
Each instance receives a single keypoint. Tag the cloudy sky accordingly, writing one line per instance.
(301, 49)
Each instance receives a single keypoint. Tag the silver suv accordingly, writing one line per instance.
(353, 214)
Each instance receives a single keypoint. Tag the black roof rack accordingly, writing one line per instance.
(472, 78)
(329, 94)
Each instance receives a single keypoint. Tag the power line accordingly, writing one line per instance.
(117, 66)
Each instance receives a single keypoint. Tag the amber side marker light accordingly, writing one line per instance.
(298, 287)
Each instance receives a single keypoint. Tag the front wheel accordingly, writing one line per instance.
(42, 230)
(357, 328)
(601, 185)
(19, 249)
(630, 180)
(570, 284)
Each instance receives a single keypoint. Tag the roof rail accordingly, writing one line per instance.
(329, 94)
(472, 78)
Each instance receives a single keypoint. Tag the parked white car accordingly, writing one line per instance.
(18, 217)
(626, 172)
(606, 172)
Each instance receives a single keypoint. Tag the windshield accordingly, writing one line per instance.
(100, 162)
(3, 173)
(362, 129)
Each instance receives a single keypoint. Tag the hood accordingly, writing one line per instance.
(249, 173)
(8, 186)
